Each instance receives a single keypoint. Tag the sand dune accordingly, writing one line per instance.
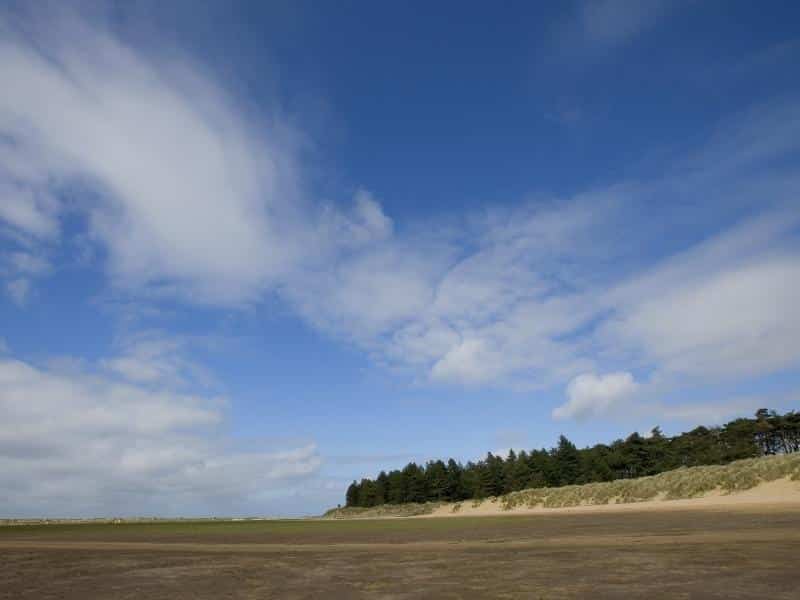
(779, 494)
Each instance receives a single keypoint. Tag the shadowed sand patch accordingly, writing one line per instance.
(560, 541)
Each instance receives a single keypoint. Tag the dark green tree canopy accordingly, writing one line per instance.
(565, 464)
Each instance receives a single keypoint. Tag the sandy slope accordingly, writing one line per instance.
(779, 494)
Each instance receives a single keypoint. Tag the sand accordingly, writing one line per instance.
(779, 494)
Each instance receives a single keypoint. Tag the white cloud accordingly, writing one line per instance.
(595, 395)
(488, 314)
(725, 308)
(722, 310)
(190, 194)
(468, 361)
(369, 293)
(175, 166)
(28, 211)
(27, 263)
(368, 222)
(520, 347)
(190, 202)
(75, 443)
(154, 357)
(195, 198)
(19, 269)
(529, 305)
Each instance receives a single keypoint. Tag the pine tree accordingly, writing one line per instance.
(492, 480)
(436, 479)
(351, 497)
(397, 487)
(454, 486)
(567, 461)
(381, 488)
(520, 476)
(414, 484)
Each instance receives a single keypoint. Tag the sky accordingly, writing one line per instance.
(250, 252)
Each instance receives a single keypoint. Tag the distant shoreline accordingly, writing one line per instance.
(128, 520)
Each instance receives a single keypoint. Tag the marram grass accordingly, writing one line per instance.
(680, 483)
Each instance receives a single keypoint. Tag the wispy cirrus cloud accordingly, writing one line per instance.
(590, 30)
(20, 269)
(613, 22)
(195, 198)
(188, 193)
(157, 358)
(724, 308)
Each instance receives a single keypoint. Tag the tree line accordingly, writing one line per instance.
(565, 464)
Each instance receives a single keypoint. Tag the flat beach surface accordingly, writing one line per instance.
(711, 550)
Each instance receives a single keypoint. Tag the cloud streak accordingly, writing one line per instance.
(724, 308)
(189, 194)
(613, 22)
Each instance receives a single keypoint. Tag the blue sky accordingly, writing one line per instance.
(252, 251)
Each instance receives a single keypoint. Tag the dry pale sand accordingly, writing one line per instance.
(777, 495)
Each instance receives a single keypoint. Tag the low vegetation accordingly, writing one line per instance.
(411, 509)
(681, 483)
